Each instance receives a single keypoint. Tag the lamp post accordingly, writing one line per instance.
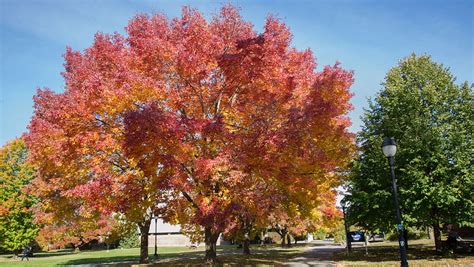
(156, 234)
(346, 227)
(389, 148)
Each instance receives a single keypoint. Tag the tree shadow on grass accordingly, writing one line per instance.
(391, 253)
(236, 258)
(119, 260)
(128, 260)
(322, 244)
(227, 257)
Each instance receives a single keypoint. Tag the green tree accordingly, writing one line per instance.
(17, 228)
(432, 120)
(128, 235)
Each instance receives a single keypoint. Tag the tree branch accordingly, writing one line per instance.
(186, 195)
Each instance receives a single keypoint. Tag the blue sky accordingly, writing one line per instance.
(368, 37)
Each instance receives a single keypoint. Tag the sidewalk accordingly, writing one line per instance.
(318, 254)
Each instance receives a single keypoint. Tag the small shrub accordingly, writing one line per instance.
(130, 239)
(339, 234)
(413, 234)
(320, 235)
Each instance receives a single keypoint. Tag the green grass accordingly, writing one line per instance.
(420, 253)
(55, 258)
(168, 256)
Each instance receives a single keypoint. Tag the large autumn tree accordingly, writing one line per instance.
(432, 120)
(17, 227)
(186, 112)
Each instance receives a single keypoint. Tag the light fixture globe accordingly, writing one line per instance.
(389, 147)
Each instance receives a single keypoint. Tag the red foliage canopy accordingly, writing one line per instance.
(200, 115)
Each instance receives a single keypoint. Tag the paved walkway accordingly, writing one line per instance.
(318, 254)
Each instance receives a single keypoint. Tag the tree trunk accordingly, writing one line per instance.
(246, 238)
(437, 236)
(262, 238)
(210, 240)
(246, 244)
(288, 240)
(283, 238)
(144, 229)
(283, 234)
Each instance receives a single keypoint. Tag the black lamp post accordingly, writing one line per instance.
(389, 148)
(346, 227)
(156, 235)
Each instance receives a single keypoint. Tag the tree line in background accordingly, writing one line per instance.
(432, 120)
(207, 124)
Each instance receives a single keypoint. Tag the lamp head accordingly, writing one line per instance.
(343, 203)
(389, 147)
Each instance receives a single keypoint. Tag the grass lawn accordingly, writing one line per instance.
(420, 253)
(168, 256)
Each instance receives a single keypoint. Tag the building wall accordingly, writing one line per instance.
(176, 240)
(169, 240)
(170, 236)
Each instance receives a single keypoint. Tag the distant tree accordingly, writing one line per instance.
(432, 120)
(17, 228)
(76, 231)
